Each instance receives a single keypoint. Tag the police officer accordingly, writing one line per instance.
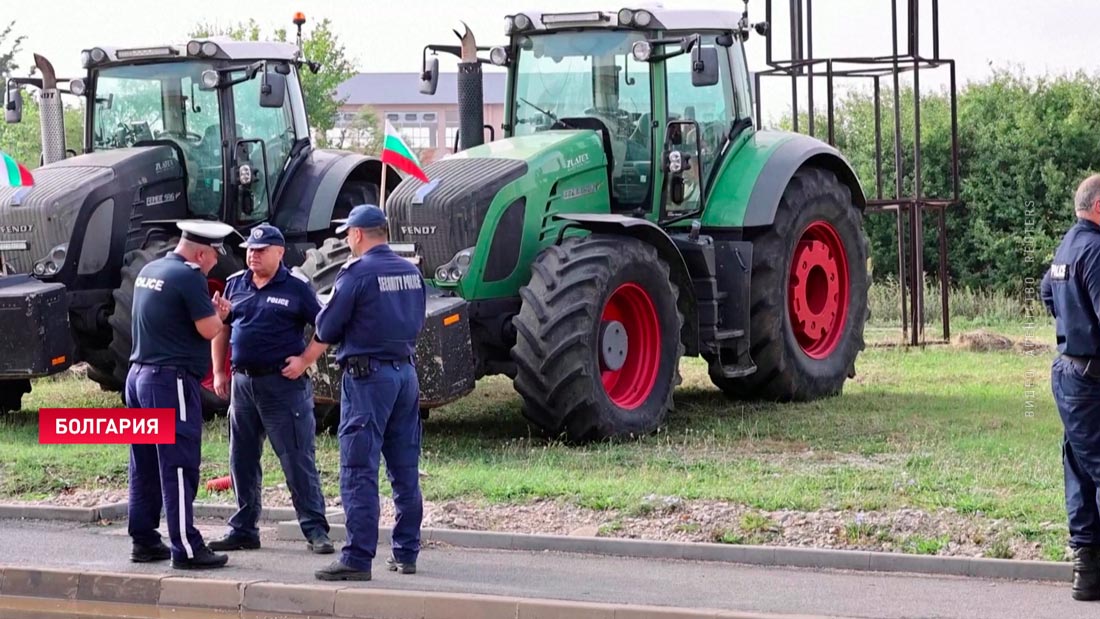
(1071, 293)
(269, 308)
(376, 313)
(174, 319)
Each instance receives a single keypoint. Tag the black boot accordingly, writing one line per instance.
(396, 566)
(148, 554)
(1086, 574)
(338, 571)
(203, 559)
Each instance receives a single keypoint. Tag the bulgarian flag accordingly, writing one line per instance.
(14, 174)
(397, 154)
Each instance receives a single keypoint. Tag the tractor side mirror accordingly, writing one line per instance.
(273, 90)
(429, 79)
(13, 109)
(704, 66)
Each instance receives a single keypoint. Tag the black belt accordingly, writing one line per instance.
(258, 370)
(1090, 366)
(361, 366)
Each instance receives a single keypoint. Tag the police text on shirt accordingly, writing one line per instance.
(398, 283)
(149, 282)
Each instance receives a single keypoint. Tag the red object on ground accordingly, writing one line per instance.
(219, 484)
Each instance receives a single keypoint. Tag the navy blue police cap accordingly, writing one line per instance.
(363, 216)
(203, 232)
(264, 235)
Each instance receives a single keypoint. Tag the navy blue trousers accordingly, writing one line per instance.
(380, 414)
(1078, 399)
(166, 475)
(282, 410)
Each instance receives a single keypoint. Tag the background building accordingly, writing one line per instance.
(428, 124)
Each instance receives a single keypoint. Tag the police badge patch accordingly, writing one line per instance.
(1058, 272)
(257, 233)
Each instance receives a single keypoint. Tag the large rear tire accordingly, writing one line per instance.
(598, 339)
(121, 319)
(809, 294)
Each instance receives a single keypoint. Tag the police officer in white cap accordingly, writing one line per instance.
(174, 320)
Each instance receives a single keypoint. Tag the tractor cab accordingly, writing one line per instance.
(664, 97)
(232, 112)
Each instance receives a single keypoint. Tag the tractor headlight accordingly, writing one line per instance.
(456, 268)
(499, 56)
(522, 22)
(210, 79)
(193, 48)
(76, 87)
(641, 50)
(53, 262)
(625, 17)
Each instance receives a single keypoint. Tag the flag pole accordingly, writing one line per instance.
(382, 191)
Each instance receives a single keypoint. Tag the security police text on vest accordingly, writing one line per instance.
(398, 283)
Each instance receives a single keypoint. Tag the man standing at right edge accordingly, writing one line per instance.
(1071, 293)
(377, 312)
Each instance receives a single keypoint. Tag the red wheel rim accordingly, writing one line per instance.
(214, 285)
(630, 385)
(817, 290)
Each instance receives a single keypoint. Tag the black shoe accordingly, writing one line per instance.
(204, 559)
(396, 566)
(234, 542)
(338, 571)
(321, 545)
(1086, 574)
(148, 554)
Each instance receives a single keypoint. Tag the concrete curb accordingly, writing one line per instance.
(118, 511)
(771, 556)
(139, 595)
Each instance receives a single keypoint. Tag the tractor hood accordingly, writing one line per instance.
(37, 222)
(446, 215)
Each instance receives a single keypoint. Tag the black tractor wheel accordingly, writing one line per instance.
(598, 339)
(11, 394)
(809, 294)
(121, 318)
(321, 266)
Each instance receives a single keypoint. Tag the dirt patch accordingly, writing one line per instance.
(987, 341)
(669, 518)
(982, 341)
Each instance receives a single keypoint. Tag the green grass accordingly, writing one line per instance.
(927, 428)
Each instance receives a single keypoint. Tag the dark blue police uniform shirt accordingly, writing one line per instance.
(170, 294)
(268, 323)
(1071, 291)
(376, 309)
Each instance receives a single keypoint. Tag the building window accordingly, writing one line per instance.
(418, 129)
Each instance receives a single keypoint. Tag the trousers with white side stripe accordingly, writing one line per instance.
(166, 475)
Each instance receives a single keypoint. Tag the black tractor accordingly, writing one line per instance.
(207, 129)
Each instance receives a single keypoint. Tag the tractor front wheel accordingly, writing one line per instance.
(121, 320)
(808, 301)
(598, 339)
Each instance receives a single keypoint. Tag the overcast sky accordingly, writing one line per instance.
(1049, 36)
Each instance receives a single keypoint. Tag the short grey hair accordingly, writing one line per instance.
(1088, 192)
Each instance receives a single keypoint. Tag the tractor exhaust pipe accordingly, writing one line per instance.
(471, 110)
(52, 113)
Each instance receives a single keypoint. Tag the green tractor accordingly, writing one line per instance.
(630, 215)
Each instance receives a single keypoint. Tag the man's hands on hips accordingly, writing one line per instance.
(295, 367)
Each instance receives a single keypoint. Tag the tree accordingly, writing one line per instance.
(320, 45)
(7, 54)
(364, 134)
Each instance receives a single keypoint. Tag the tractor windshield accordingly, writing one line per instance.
(164, 101)
(585, 76)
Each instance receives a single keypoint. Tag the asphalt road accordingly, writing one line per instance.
(578, 577)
